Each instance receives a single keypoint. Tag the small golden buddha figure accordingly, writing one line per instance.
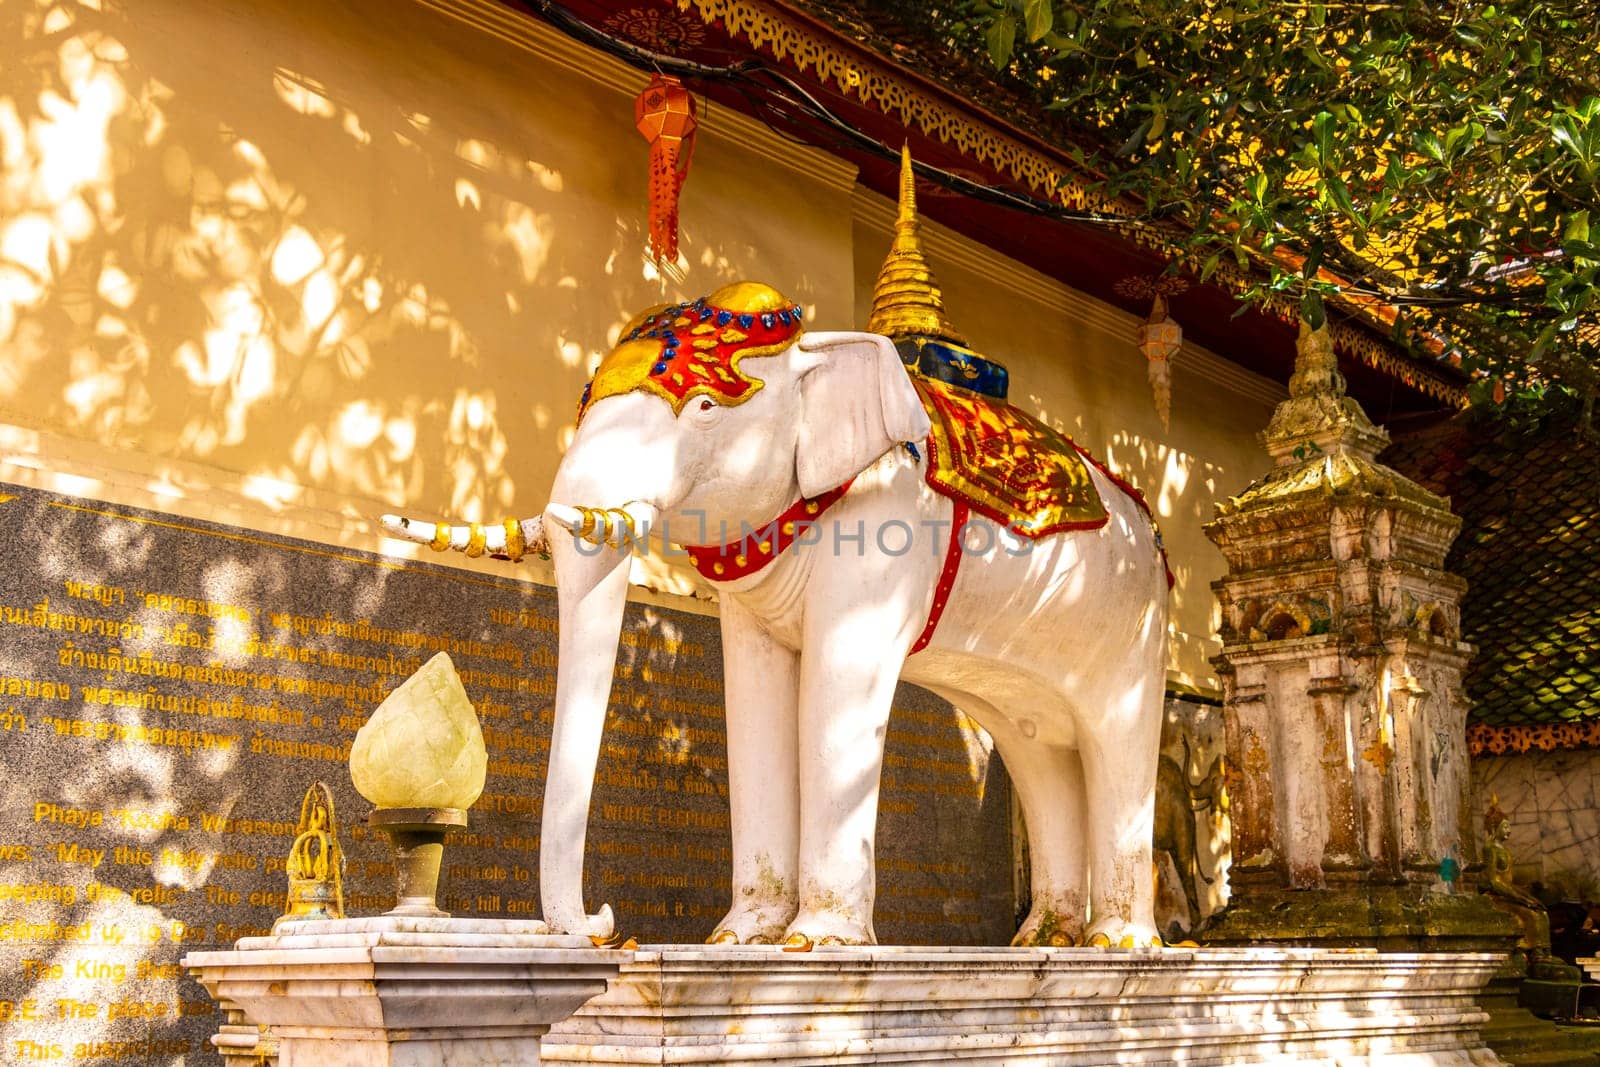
(316, 863)
(1497, 860)
(1511, 898)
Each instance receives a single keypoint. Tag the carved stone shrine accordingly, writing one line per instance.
(1341, 667)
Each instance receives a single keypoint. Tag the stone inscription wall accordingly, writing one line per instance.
(169, 688)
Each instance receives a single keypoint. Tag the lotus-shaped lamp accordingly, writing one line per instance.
(421, 761)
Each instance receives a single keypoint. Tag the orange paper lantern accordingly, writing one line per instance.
(664, 113)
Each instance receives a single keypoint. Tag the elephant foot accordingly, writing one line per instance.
(1118, 934)
(1045, 927)
(752, 926)
(826, 928)
(599, 928)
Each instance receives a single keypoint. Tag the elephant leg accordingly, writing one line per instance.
(1185, 860)
(1049, 783)
(847, 681)
(761, 678)
(1121, 794)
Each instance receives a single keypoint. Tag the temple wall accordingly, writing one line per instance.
(258, 271)
(1555, 825)
(296, 265)
(284, 267)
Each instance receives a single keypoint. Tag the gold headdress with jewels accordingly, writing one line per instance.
(681, 351)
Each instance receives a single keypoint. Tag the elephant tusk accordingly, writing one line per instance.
(589, 525)
(568, 518)
(612, 527)
(510, 539)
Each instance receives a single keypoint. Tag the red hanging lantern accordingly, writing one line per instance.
(664, 113)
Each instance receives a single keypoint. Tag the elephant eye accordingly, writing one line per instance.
(706, 405)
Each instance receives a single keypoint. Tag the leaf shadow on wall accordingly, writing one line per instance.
(351, 250)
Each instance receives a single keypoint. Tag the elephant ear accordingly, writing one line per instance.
(856, 403)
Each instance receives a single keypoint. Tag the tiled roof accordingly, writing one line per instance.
(1529, 548)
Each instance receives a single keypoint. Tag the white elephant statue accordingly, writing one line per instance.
(724, 414)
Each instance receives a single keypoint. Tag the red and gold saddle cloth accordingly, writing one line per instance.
(1005, 464)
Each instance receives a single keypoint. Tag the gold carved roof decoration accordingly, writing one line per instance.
(906, 301)
(790, 41)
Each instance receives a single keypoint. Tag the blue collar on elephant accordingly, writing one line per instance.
(746, 556)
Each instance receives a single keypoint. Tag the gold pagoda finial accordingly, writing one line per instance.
(906, 301)
(907, 217)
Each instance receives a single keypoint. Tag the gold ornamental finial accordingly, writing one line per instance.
(906, 301)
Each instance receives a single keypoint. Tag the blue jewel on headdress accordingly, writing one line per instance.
(724, 317)
(672, 340)
(659, 368)
(783, 316)
(766, 319)
(795, 311)
(705, 313)
(746, 321)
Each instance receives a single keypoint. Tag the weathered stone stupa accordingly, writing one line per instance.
(1341, 668)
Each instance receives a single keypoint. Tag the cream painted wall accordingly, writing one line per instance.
(1073, 362)
(291, 265)
(340, 258)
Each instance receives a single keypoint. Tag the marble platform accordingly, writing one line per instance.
(885, 1005)
(407, 992)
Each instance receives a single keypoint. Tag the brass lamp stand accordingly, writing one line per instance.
(417, 837)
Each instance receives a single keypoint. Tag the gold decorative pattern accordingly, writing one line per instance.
(661, 31)
(515, 546)
(1006, 464)
(1380, 754)
(1147, 286)
(662, 354)
(793, 43)
(1486, 740)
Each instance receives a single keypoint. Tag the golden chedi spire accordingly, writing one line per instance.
(906, 301)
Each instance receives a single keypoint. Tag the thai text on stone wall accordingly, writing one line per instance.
(170, 688)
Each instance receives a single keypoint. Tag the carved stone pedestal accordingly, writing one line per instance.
(762, 1007)
(241, 1043)
(1341, 668)
(407, 992)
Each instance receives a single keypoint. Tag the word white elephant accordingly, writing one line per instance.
(1056, 646)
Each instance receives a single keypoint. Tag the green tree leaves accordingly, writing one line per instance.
(1442, 157)
(1002, 38)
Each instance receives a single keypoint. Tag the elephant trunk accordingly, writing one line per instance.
(591, 587)
(508, 539)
